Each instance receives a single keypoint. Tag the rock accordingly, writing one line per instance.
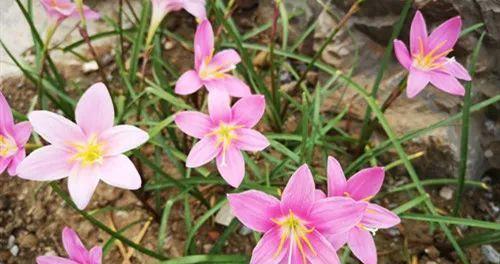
(432, 252)
(490, 254)
(90, 66)
(11, 241)
(224, 216)
(14, 250)
(446, 193)
(28, 241)
(244, 231)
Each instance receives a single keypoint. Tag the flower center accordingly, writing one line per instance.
(209, 71)
(293, 228)
(8, 146)
(225, 134)
(89, 153)
(431, 60)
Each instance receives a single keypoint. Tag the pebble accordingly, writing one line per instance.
(245, 231)
(90, 66)
(490, 254)
(11, 241)
(446, 193)
(28, 241)
(14, 250)
(432, 252)
(224, 216)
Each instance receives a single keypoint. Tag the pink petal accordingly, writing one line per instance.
(319, 195)
(298, 195)
(293, 255)
(95, 255)
(90, 14)
(16, 160)
(337, 182)
(82, 183)
(255, 209)
(362, 246)
(249, 110)
(22, 133)
(45, 164)
(188, 83)
(219, 106)
(196, 8)
(73, 245)
(378, 217)
(232, 85)
(366, 183)
(445, 35)
(418, 33)
(250, 140)
(338, 240)
(447, 83)
(231, 165)
(402, 54)
(54, 260)
(336, 215)
(266, 249)
(119, 171)
(55, 129)
(417, 81)
(6, 119)
(226, 59)
(94, 112)
(122, 138)
(202, 152)
(456, 69)
(203, 43)
(325, 252)
(4, 163)
(193, 123)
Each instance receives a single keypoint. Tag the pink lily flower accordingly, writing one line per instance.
(85, 152)
(427, 61)
(297, 226)
(361, 187)
(211, 70)
(13, 137)
(59, 10)
(224, 133)
(77, 253)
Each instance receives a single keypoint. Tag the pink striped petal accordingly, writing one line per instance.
(255, 209)
(193, 123)
(456, 69)
(338, 240)
(231, 166)
(362, 246)
(250, 140)
(418, 33)
(119, 171)
(54, 260)
(6, 119)
(447, 83)
(366, 183)
(445, 35)
(298, 195)
(203, 43)
(95, 255)
(232, 85)
(225, 59)
(22, 133)
(122, 138)
(16, 160)
(402, 54)
(336, 215)
(378, 217)
(219, 106)
(293, 255)
(45, 164)
(417, 81)
(55, 129)
(74, 246)
(94, 112)
(249, 110)
(337, 182)
(188, 83)
(82, 182)
(266, 249)
(202, 152)
(324, 253)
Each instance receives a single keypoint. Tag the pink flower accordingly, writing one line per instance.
(59, 10)
(211, 70)
(361, 187)
(297, 226)
(224, 133)
(77, 253)
(85, 152)
(13, 137)
(427, 61)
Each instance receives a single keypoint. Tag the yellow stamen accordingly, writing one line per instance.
(89, 152)
(428, 61)
(293, 228)
(8, 146)
(208, 71)
(225, 135)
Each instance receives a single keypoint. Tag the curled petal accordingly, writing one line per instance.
(366, 183)
(298, 195)
(188, 83)
(231, 165)
(202, 152)
(447, 83)
(193, 123)
(94, 112)
(255, 209)
(249, 110)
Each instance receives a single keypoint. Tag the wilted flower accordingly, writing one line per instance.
(427, 61)
(77, 253)
(85, 152)
(361, 187)
(224, 133)
(13, 137)
(211, 70)
(297, 226)
(59, 10)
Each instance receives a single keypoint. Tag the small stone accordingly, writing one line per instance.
(490, 254)
(11, 241)
(28, 241)
(207, 248)
(393, 232)
(245, 231)
(169, 45)
(432, 252)
(90, 66)
(446, 193)
(14, 250)
(224, 216)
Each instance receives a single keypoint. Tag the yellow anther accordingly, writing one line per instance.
(8, 146)
(89, 152)
(293, 227)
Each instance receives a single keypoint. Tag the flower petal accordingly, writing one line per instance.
(226, 59)
(231, 166)
(366, 183)
(336, 215)
(234, 86)
(417, 81)
(119, 171)
(362, 246)
(203, 43)
(445, 35)
(298, 195)
(337, 182)
(193, 123)
(338, 240)
(447, 83)
(219, 106)
(250, 140)
(45, 164)
(6, 119)
(402, 54)
(196, 8)
(255, 209)
(54, 260)
(122, 138)
(4, 163)
(202, 152)
(16, 160)
(418, 32)
(378, 217)
(94, 112)
(73, 245)
(54, 128)
(266, 249)
(249, 110)
(90, 14)
(22, 133)
(319, 194)
(188, 83)
(325, 252)
(456, 69)
(82, 183)
(95, 255)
